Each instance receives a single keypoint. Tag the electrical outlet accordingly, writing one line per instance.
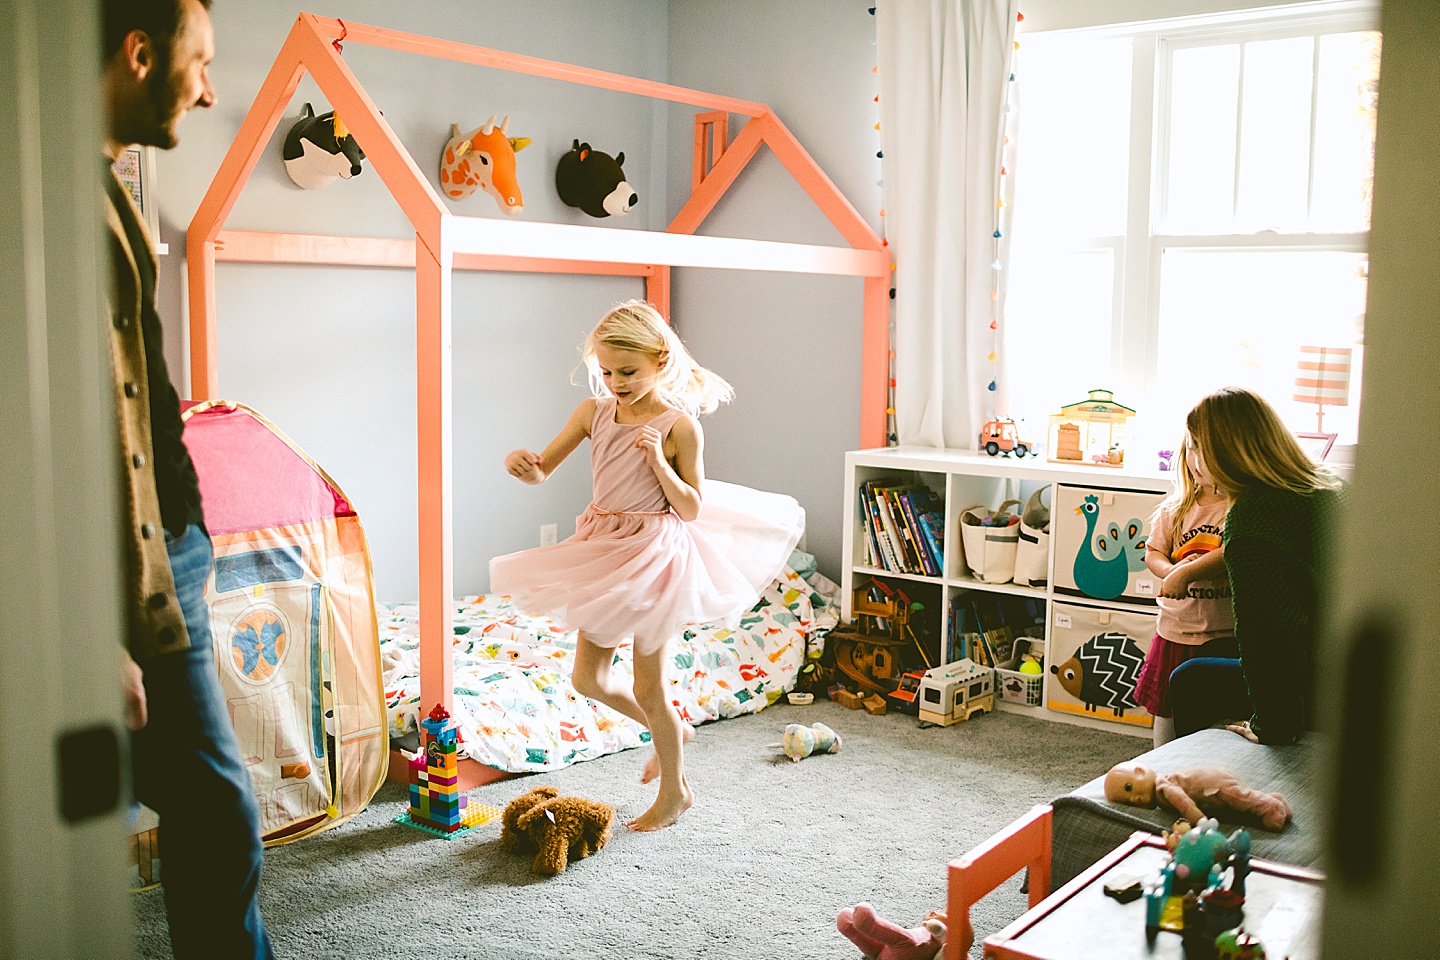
(549, 532)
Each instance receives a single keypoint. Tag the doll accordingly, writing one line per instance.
(879, 939)
(1195, 792)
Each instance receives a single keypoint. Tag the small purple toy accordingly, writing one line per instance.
(1165, 456)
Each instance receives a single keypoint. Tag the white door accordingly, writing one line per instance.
(63, 890)
(1381, 662)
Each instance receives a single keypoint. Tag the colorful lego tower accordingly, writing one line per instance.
(436, 803)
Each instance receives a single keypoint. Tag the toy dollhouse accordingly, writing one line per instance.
(1092, 429)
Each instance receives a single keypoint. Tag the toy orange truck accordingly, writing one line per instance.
(1000, 436)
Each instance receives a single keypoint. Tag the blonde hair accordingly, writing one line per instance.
(1186, 493)
(636, 325)
(1244, 444)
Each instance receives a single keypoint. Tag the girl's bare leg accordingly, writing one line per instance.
(591, 678)
(666, 733)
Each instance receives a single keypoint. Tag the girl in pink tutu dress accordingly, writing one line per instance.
(659, 546)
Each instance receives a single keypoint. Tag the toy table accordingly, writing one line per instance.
(1079, 922)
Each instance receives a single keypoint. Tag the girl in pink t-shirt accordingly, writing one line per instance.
(1184, 550)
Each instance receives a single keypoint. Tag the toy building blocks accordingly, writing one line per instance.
(955, 692)
(436, 804)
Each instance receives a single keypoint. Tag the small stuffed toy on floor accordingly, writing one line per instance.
(558, 829)
(801, 741)
(1194, 793)
(879, 939)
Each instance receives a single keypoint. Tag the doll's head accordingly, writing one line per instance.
(1243, 443)
(637, 327)
(1131, 783)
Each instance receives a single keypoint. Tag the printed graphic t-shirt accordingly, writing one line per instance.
(1206, 613)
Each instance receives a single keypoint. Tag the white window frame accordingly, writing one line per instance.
(1135, 329)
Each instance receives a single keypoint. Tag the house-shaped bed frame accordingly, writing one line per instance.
(445, 242)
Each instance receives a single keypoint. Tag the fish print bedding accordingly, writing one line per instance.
(513, 699)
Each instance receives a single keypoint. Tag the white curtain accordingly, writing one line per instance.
(944, 70)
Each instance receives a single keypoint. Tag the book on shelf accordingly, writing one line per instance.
(932, 530)
(913, 556)
(912, 502)
(876, 529)
(872, 545)
(892, 528)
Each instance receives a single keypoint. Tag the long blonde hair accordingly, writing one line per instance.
(636, 325)
(1186, 493)
(1244, 444)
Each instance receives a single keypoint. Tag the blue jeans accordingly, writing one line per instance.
(188, 770)
(1207, 690)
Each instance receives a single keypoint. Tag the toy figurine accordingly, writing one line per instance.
(1165, 456)
(1239, 862)
(1195, 854)
(1194, 793)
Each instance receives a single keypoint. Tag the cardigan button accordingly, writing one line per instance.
(132, 389)
(158, 601)
(138, 460)
(147, 530)
(166, 635)
(121, 321)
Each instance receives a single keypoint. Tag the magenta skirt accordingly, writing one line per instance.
(1152, 687)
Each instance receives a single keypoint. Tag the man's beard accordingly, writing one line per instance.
(161, 108)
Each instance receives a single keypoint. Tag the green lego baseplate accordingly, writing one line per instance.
(484, 813)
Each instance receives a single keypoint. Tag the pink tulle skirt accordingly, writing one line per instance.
(647, 574)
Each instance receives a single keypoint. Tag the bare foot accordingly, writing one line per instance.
(664, 811)
(652, 766)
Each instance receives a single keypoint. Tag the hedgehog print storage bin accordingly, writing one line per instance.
(1095, 658)
(1099, 538)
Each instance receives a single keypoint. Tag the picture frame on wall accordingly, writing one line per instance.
(136, 170)
(1317, 445)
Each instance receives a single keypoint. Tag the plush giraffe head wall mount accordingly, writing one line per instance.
(484, 159)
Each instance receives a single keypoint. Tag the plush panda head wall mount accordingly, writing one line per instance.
(594, 182)
(320, 150)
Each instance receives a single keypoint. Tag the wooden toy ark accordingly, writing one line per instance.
(865, 651)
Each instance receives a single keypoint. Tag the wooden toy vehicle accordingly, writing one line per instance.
(1001, 436)
(905, 697)
(956, 692)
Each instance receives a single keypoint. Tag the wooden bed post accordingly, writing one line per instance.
(657, 289)
(875, 362)
(433, 414)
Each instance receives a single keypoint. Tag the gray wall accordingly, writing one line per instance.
(789, 343)
(328, 354)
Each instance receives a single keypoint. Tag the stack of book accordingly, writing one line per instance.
(904, 528)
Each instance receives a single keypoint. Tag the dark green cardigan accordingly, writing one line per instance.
(1277, 546)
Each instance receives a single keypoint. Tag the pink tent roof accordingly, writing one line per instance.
(251, 477)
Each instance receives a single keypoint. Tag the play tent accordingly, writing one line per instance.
(292, 613)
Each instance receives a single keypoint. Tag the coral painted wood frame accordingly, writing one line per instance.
(445, 242)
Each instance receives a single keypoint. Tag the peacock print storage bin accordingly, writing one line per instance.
(1095, 660)
(1099, 539)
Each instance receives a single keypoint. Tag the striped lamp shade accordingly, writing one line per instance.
(1323, 376)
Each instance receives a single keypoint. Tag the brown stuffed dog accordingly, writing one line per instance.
(559, 829)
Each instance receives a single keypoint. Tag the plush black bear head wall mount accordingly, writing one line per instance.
(320, 150)
(594, 182)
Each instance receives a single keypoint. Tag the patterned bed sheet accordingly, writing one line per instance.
(518, 712)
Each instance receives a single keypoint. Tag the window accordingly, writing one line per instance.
(1192, 205)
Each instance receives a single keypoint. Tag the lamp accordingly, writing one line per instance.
(1323, 376)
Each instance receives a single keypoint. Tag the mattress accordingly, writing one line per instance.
(515, 705)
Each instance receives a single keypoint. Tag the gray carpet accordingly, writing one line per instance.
(757, 869)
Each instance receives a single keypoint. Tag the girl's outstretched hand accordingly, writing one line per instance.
(649, 441)
(525, 466)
